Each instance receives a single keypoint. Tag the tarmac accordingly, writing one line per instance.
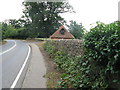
(36, 70)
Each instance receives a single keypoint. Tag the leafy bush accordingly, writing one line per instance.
(102, 46)
(48, 46)
(99, 67)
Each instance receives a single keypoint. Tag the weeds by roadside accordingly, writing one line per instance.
(52, 74)
(2, 42)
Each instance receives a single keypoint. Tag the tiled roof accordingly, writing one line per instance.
(66, 35)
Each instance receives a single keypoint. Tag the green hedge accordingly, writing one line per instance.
(102, 46)
(99, 67)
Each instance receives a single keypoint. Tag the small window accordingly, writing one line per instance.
(62, 31)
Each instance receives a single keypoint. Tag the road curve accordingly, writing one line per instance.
(14, 53)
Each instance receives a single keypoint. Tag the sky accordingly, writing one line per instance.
(87, 11)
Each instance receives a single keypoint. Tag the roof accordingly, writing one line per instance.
(66, 35)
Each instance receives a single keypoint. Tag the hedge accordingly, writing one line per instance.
(99, 67)
(102, 46)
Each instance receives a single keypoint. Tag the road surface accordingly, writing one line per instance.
(14, 54)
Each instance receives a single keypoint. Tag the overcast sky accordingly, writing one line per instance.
(87, 11)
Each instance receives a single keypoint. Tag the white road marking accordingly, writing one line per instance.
(22, 68)
(9, 49)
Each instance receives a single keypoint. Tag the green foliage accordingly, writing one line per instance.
(66, 63)
(9, 31)
(103, 43)
(99, 67)
(22, 33)
(3, 29)
(102, 46)
(40, 20)
(1, 32)
(48, 46)
(15, 23)
(45, 17)
(77, 72)
(76, 29)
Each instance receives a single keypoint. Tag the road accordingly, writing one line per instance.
(14, 54)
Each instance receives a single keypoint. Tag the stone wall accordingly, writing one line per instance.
(73, 47)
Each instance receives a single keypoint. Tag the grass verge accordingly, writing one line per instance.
(52, 74)
(2, 42)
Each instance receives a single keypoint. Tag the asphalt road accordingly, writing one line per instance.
(14, 53)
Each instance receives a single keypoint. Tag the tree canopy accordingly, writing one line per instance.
(38, 20)
(76, 29)
(45, 17)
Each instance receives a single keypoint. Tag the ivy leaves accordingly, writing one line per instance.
(102, 46)
(99, 67)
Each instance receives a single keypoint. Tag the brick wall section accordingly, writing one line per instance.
(73, 47)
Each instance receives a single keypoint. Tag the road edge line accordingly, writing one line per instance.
(9, 49)
(21, 70)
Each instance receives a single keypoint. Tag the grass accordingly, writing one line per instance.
(52, 75)
(52, 79)
(42, 39)
(2, 42)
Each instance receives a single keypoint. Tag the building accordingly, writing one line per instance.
(62, 33)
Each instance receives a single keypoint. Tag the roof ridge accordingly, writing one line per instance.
(58, 35)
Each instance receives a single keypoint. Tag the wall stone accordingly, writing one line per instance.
(73, 47)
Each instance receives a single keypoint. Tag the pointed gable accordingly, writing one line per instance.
(62, 33)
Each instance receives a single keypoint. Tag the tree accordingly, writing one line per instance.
(14, 29)
(1, 32)
(76, 29)
(14, 23)
(3, 29)
(10, 32)
(45, 17)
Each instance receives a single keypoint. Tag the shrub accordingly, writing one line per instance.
(99, 67)
(102, 46)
